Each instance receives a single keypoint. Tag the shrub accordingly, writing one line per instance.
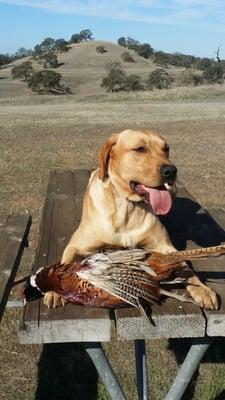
(61, 45)
(23, 71)
(144, 50)
(113, 65)
(122, 41)
(76, 38)
(115, 80)
(161, 59)
(197, 79)
(47, 45)
(133, 83)
(50, 60)
(84, 35)
(22, 52)
(159, 79)
(5, 59)
(177, 59)
(205, 63)
(47, 82)
(37, 51)
(189, 78)
(101, 49)
(215, 73)
(127, 57)
(132, 44)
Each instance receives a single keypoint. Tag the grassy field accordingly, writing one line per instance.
(38, 133)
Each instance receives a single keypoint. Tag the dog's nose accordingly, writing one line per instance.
(168, 172)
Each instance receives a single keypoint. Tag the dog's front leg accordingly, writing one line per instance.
(53, 299)
(202, 294)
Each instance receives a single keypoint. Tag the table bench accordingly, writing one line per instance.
(14, 231)
(189, 226)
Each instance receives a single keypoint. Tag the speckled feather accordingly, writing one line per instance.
(113, 278)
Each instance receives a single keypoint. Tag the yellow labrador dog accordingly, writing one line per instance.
(134, 183)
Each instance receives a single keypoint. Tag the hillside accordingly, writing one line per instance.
(82, 69)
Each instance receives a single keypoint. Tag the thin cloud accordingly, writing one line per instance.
(208, 13)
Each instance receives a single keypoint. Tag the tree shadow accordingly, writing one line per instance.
(66, 372)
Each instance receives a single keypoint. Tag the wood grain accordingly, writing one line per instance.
(14, 231)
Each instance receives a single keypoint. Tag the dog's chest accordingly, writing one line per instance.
(119, 222)
(129, 224)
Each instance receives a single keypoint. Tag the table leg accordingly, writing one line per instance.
(188, 368)
(141, 370)
(105, 371)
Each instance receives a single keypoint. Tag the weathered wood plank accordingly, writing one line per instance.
(172, 319)
(172, 323)
(14, 231)
(68, 324)
(61, 215)
(59, 199)
(214, 271)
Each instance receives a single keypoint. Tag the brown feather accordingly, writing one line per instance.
(113, 278)
(63, 279)
(165, 264)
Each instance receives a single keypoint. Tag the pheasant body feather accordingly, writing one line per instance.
(113, 278)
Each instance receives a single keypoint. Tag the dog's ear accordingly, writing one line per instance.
(103, 155)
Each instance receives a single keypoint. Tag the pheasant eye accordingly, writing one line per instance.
(140, 149)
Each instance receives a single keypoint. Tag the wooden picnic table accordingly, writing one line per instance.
(189, 226)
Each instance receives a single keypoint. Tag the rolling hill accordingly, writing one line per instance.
(82, 69)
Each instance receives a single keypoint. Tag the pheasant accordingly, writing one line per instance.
(114, 278)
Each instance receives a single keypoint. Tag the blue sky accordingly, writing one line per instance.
(190, 26)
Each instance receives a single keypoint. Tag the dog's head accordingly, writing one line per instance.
(138, 165)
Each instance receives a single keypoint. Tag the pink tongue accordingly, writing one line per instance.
(160, 200)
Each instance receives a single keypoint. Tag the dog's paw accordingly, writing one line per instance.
(204, 297)
(52, 299)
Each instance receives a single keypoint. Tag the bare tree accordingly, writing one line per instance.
(217, 52)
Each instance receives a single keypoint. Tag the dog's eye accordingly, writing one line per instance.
(140, 149)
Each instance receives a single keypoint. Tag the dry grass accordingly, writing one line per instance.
(40, 132)
(64, 133)
(204, 93)
(83, 68)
